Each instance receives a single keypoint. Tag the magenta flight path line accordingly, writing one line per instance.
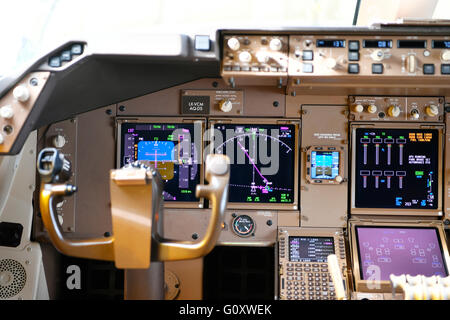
(254, 166)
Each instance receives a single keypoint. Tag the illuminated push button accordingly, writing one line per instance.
(233, 44)
(372, 108)
(6, 112)
(358, 108)
(245, 56)
(432, 110)
(21, 93)
(393, 111)
(275, 44)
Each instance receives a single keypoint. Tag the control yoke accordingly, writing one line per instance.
(136, 206)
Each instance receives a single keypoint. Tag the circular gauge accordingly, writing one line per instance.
(244, 226)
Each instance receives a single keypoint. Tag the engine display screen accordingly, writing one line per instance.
(323, 43)
(390, 250)
(324, 164)
(171, 148)
(310, 249)
(262, 161)
(396, 168)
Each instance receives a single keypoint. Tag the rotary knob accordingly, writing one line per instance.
(372, 108)
(225, 105)
(21, 93)
(245, 57)
(358, 108)
(59, 141)
(393, 111)
(6, 112)
(338, 179)
(233, 44)
(432, 110)
(377, 55)
(275, 44)
(262, 57)
(415, 114)
(445, 55)
(331, 63)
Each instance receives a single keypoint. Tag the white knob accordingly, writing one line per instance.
(445, 55)
(225, 105)
(372, 108)
(358, 108)
(338, 179)
(233, 44)
(1, 139)
(59, 141)
(330, 63)
(6, 112)
(275, 44)
(394, 111)
(432, 110)
(377, 55)
(262, 57)
(415, 114)
(21, 93)
(245, 56)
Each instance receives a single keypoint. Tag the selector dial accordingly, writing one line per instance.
(393, 111)
(59, 141)
(225, 105)
(331, 63)
(415, 114)
(432, 110)
(21, 93)
(372, 108)
(275, 44)
(445, 55)
(243, 226)
(262, 57)
(245, 56)
(377, 55)
(233, 44)
(358, 108)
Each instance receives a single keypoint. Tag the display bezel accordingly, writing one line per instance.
(201, 122)
(385, 286)
(341, 173)
(254, 121)
(396, 211)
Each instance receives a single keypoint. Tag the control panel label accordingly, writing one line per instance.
(195, 104)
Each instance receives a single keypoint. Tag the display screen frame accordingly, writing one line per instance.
(323, 181)
(257, 121)
(199, 124)
(383, 285)
(370, 43)
(331, 43)
(396, 211)
(412, 44)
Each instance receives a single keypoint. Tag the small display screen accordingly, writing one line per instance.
(390, 250)
(310, 249)
(377, 43)
(324, 164)
(322, 43)
(411, 44)
(171, 148)
(396, 168)
(262, 161)
(440, 44)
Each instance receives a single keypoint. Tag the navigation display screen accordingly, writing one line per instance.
(310, 249)
(390, 250)
(171, 148)
(324, 164)
(262, 161)
(396, 168)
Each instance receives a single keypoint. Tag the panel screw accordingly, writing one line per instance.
(107, 234)
(269, 222)
(34, 82)
(215, 84)
(122, 108)
(276, 104)
(195, 236)
(109, 112)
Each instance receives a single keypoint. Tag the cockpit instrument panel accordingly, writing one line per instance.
(263, 161)
(173, 148)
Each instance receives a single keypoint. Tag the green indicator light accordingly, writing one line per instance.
(157, 126)
(170, 127)
(249, 199)
(383, 133)
(419, 173)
